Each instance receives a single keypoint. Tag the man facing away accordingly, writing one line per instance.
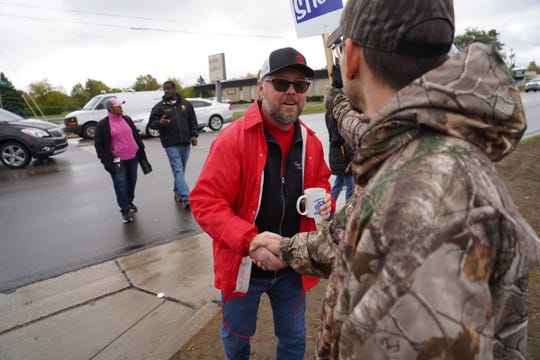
(432, 259)
(254, 173)
(175, 119)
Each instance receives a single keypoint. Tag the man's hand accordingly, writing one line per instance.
(267, 239)
(164, 120)
(194, 141)
(264, 249)
(326, 207)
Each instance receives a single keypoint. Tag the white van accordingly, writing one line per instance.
(138, 105)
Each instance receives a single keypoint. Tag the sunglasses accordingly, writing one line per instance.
(282, 85)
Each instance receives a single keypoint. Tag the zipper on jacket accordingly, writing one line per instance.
(283, 195)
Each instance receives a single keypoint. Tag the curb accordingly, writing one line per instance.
(186, 332)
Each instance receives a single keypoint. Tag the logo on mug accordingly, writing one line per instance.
(318, 204)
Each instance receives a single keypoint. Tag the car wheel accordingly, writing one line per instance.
(14, 155)
(89, 131)
(215, 123)
(152, 133)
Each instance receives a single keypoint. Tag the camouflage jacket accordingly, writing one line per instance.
(432, 259)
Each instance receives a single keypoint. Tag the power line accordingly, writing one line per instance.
(144, 28)
(129, 17)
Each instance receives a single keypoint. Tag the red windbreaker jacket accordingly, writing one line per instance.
(225, 199)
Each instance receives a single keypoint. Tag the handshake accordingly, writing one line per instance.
(265, 250)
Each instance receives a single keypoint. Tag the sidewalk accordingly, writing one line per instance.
(145, 305)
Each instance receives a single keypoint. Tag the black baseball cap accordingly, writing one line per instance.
(284, 58)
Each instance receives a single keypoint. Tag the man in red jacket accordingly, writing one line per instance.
(255, 172)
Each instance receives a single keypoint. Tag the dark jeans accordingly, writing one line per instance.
(288, 302)
(341, 182)
(124, 178)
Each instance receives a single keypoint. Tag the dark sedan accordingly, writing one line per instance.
(23, 139)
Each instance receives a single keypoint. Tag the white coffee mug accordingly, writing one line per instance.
(314, 199)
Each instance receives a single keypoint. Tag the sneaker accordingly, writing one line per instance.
(185, 204)
(177, 198)
(126, 217)
(133, 208)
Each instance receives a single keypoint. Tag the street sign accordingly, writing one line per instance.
(216, 67)
(315, 17)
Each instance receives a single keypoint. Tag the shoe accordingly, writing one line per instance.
(133, 208)
(185, 204)
(126, 217)
(177, 197)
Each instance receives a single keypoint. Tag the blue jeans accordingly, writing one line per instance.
(288, 302)
(178, 157)
(339, 183)
(124, 178)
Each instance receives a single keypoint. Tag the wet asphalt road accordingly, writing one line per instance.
(61, 215)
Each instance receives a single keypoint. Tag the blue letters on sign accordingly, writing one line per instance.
(308, 9)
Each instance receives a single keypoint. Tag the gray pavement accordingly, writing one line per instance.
(146, 305)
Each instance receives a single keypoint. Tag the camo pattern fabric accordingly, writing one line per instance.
(431, 259)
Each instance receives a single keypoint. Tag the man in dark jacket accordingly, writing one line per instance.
(175, 119)
(340, 153)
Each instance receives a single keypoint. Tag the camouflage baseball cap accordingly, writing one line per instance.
(384, 24)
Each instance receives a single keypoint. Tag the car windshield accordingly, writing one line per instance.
(92, 103)
(9, 116)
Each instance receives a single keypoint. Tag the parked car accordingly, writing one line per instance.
(533, 85)
(23, 139)
(137, 106)
(209, 113)
(223, 100)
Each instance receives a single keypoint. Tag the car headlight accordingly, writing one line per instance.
(71, 121)
(35, 132)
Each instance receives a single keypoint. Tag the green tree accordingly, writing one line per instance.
(145, 83)
(200, 80)
(54, 103)
(188, 92)
(40, 89)
(11, 98)
(475, 35)
(50, 100)
(95, 87)
(78, 97)
(533, 67)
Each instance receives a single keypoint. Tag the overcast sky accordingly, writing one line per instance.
(68, 42)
